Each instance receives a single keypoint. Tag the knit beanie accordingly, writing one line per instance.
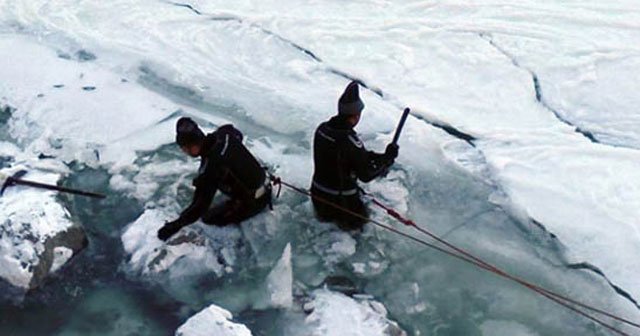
(188, 132)
(350, 102)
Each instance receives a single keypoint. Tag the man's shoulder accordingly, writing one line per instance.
(231, 131)
(325, 132)
(355, 140)
(334, 133)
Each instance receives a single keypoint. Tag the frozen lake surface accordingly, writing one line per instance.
(522, 148)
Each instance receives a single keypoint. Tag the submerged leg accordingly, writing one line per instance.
(330, 213)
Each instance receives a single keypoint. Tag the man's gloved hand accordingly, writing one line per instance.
(392, 151)
(168, 230)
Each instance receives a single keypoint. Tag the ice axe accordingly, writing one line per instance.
(16, 179)
(396, 136)
(405, 114)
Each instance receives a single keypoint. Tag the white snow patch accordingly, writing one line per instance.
(335, 314)
(212, 321)
(189, 252)
(80, 120)
(7, 148)
(61, 255)
(30, 217)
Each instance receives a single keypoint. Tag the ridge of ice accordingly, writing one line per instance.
(280, 281)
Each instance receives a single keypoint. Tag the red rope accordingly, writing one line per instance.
(493, 268)
(465, 256)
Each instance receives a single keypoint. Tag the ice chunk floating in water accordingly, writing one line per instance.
(190, 252)
(212, 321)
(280, 281)
(335, 314)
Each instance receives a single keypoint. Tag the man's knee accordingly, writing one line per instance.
(215, 216)
(214, 220)
(233, 213)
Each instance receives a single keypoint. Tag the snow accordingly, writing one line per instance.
(70, 122)
(189, 252)
(582, 194)
(61, 255)
(212, 321)
(337, 314)
(30, 217)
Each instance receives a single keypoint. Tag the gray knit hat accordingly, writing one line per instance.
(350, 103)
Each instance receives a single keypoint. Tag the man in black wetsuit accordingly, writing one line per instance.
(341, 159)
(225, 165)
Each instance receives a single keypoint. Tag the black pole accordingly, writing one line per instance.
(12, 180)
(405, 114)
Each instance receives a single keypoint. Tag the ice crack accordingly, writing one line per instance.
(592, 268)
(538, 90)
(449, 129)
(186, 6)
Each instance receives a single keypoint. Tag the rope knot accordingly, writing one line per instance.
(277, 182)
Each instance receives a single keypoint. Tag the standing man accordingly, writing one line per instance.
(225, 165)
(341, 159)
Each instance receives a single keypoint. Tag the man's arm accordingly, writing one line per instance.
(202, 198)
(206, 188)
(367, 164)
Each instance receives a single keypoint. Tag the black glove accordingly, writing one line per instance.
(391, 152)
(168, 230)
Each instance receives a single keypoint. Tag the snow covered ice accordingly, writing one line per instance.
(338, 314)
(212, 321)
(37, 236)
(150, 255)
(523, 149)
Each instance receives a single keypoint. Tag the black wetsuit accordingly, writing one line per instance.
(340, 160)
(227, 165)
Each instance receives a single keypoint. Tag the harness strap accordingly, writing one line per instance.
(331, 191)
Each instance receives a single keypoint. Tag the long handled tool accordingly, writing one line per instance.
(396, 137)
(405, 114)
(16, 179)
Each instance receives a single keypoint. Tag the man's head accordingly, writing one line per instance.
(350, 105)
(189, 136)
